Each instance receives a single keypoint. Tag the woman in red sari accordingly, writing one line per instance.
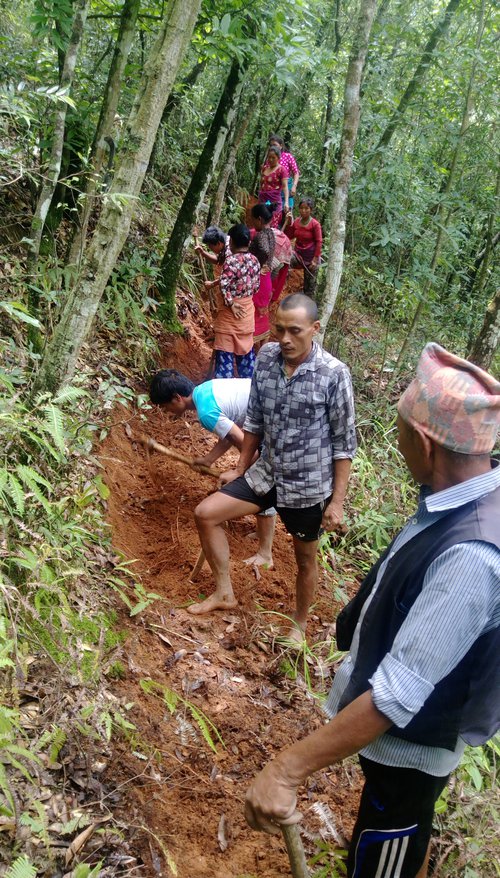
(274, 184)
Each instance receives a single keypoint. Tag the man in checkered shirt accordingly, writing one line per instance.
(301, 417)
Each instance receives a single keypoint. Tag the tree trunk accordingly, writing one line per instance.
(54, 163)
(239, 133)
(476, 275)
(352, 112)
(441, 222)
(60, 358)
(485, 345)
(325, 151)
(106, 122)
(174, 254)
(438, 33)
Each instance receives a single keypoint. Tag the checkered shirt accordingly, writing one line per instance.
(307, 422)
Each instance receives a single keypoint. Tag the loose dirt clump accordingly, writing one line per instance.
(180, 780)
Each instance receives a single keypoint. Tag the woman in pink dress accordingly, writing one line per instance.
(262, 246)
(274, 184)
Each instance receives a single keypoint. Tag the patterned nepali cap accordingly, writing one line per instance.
(453, 402)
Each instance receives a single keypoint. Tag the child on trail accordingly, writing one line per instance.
(262, 246)
(274, 185)
(234, 322)
(287, 162)
(217, 243)
(308, 236)
(221, 408)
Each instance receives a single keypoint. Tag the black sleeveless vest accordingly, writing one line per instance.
(467, 701)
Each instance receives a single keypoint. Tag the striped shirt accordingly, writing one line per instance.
(459, 601)
(307, 422)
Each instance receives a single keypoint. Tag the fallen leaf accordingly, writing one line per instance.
(78, 842)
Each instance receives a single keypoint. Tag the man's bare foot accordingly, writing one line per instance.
(214, 602)
(259, 560)
(292, 638)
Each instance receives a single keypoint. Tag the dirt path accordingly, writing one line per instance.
(176, 794)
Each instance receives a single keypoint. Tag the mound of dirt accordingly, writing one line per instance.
(181, 781)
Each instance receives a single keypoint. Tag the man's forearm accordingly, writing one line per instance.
(342, 469)
(347, 733)
(251, 442)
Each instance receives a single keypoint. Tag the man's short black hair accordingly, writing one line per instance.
(240, 235)
(299, 300)
(167, 383)
(212, 236)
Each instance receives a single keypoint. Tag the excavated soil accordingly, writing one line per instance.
(183, 801)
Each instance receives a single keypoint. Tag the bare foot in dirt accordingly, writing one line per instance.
(292, 638)
(214, 602)
(259, 560)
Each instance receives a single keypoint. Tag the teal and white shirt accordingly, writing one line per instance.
(222, 403)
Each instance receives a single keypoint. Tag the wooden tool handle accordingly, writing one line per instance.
(211, 298)
(150, 443)
(295, 850)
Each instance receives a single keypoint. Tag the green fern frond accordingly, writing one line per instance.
(68, 394)
(21, 868)
(31, 479)
(53, 424)
(205, 726)
(17, 493)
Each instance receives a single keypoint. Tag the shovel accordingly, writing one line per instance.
(151, 445)
(295, 850)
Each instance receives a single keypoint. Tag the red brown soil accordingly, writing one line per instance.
(175, 792)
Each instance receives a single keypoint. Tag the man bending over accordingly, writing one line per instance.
(221, 406)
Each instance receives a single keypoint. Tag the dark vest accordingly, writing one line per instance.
(467, 701)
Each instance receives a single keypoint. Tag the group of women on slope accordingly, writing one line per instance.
(255, 263)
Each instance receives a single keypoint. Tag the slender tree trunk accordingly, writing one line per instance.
(60, 358)
(51, 176)
(352, 112)
(441, 221)
(438, 33)
(476, 275)
(106, 121)
(174, 254)
(484, 347)
(325, 151)
(239, 133)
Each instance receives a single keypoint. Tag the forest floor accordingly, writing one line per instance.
(180, 799)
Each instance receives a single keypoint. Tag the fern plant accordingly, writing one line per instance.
(172, 700)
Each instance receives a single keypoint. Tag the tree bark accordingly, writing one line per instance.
(352, 112)
(54, 163)
(188, 212)
(239, 133)
(440, 221)
(486, 344)
(106, 121)
(438, 33)
(60, 358)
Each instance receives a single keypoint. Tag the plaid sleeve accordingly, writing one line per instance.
(254, 421)
(342, 417)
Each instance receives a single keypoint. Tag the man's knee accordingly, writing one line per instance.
(305, 554)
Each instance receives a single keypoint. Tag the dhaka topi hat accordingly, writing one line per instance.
(453, 402)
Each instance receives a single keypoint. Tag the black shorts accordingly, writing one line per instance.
(305, 524)
(394, 821)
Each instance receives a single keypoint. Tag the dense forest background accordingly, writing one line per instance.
(123, 128)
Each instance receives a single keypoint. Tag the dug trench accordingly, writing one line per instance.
(178, 782)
